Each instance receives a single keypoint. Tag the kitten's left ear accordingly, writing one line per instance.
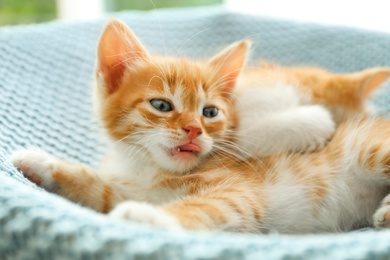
(229, 62)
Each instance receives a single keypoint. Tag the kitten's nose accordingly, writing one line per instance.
(192, 131)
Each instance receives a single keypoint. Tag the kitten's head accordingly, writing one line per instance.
(171, 110)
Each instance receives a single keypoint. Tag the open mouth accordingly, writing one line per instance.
(186, 149)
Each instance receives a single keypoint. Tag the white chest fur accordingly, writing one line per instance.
(134, 174)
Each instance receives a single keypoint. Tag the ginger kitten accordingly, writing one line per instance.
(172, 164)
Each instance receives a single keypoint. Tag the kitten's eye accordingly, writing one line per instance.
(210, 111)
(161, 105)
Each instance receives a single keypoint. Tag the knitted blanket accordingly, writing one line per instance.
(45, 101)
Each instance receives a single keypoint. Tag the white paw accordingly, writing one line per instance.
(37, 166)
(381, 217)
(145, 213)
(318, 131)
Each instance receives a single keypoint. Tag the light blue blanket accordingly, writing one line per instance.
(45, 101)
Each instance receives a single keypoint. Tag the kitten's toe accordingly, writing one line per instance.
(324, 130)
(145, 213)
(36, 165)
(382, 215)
(315, 146)
(318, 145)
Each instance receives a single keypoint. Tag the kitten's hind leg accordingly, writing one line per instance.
(363, 148)
(76, 182)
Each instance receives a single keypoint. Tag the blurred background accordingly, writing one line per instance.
(368, 14)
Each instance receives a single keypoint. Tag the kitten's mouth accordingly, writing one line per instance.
(186, 149)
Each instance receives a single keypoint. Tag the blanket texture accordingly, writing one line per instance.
(45, 101)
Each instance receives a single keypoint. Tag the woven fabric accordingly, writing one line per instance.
(45, 101)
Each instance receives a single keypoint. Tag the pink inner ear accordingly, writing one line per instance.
(118, 49)
(375, 81)
(113, 77)
(229, 63)
(230, 78)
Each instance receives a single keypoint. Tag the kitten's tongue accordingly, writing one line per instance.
(190, 147)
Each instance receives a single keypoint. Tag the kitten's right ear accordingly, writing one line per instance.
(118, 50)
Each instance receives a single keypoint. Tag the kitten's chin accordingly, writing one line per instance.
(181, 159)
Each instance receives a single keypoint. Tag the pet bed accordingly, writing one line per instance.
(45, 101)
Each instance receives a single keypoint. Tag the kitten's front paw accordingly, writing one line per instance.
(319, 130)
(37, 166)
(145, 213)
(382, 215)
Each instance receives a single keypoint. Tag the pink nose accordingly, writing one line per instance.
(192, 131)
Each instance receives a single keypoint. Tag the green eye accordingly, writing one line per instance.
(161, 105)
(210, 112)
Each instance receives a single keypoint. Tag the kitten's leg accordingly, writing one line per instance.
(366, 144)
(76, 182)
(300, 129)
(362, 148)
(238, 212)
(213, 210)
